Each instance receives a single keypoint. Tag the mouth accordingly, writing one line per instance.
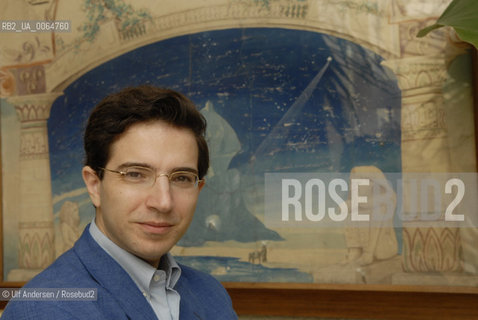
(156, 227)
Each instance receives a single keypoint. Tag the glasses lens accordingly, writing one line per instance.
(139, 175)
(183, 179)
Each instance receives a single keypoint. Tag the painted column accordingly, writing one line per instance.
(36, 230)
(425, 149)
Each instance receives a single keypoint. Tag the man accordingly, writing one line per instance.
(146, 157)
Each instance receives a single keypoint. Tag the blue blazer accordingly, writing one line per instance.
(87, 265)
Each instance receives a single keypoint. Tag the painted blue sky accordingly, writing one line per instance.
(268, 86)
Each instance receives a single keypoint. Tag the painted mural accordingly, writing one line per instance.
(287, 86)
(275, 100)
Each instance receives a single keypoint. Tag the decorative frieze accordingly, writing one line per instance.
(34, 144)
(423, 117)
(30, 80)
(240, 10)
(134, 32)
(28, 112)
(427, 73)
(410, 45)
(35, 107)
(36, 249)
(432, 250)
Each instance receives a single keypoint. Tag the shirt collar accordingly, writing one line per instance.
(172, 269)
(139, 270)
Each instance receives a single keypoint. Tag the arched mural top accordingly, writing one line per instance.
(366, 24)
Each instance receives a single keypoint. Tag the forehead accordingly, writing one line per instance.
(155, 143)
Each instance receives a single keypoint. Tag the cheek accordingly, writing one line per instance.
(116, 202)
(185, 206)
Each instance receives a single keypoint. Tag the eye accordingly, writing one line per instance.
(181, 178)
(137, 174)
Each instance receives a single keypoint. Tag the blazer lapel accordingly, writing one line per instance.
(111, 276)
(190, 307)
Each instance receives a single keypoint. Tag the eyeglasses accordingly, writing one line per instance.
(146, 177)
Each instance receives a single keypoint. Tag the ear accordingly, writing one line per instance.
(92, 182)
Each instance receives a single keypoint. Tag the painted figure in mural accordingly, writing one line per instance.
(69, 224)
(146, 156)
(222, 207)
(377, 240)
(259, 255)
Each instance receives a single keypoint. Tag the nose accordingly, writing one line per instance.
(159, 196)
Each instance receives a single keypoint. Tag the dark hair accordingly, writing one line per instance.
(113, 115)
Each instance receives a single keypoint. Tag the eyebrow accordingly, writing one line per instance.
(146, 165)
(187, 169)
(135, 164)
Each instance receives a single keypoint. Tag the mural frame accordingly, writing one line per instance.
(339, 300)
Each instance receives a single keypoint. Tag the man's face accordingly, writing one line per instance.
(146, 221)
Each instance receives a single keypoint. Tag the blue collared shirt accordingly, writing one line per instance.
(157, 285)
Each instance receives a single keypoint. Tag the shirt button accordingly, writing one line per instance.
(157, 277)
(145, 294)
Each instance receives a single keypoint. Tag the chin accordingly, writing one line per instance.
(150, 257)
(153, 254)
